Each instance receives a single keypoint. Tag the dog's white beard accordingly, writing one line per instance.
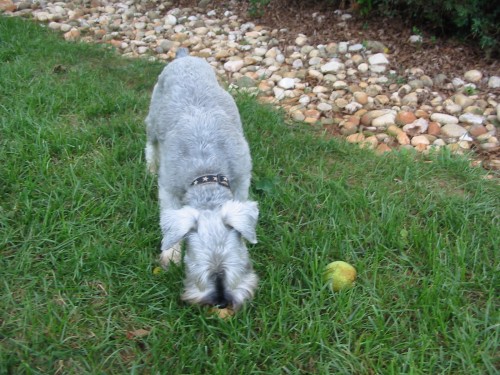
(219, 277)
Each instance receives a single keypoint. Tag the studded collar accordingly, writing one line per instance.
(211, 179)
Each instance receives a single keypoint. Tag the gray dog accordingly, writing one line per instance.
(195, 142)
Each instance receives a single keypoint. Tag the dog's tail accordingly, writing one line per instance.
(182, 52)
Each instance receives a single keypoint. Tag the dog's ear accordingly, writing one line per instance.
(175, 224)
(242, 216)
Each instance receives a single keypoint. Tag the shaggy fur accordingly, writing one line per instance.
(194, 129)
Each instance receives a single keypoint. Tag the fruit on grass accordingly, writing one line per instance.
(340, 275)
(222, 313)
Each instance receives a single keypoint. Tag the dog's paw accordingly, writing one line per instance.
(152, 168)
(172, 255)
(151, 154)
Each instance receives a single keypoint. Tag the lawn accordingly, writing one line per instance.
(79, 234)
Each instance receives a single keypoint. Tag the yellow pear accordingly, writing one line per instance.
(222, 313)
(340, 275)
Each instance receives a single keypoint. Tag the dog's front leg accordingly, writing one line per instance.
(151, 153)
(173, 253)
(240, 188)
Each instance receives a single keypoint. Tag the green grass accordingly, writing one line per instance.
(79, 232)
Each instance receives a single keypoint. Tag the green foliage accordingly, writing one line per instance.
(400, 80)
(476, 19)
(470, 90)
(257, 7)
(365, 7)
(416, 31)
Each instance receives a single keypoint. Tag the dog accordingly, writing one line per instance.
(195, 143)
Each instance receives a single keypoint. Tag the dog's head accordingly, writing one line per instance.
(218, 269)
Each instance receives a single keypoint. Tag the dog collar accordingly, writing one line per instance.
(212, 179)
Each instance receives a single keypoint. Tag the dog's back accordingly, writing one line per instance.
(187, 87)
(197, 123)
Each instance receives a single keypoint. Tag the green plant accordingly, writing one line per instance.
(470, 90)
(365, 7)
(401, 80)
(475, 19)
(416, 31)
(257, 7)
(393, 77)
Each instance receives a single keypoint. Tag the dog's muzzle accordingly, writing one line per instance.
(219, 298)
(212, 179)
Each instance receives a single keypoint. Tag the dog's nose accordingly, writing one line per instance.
(221, 298)
(222, 305)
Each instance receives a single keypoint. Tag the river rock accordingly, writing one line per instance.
(382, 148)
(420, 140)
(378, 59)
(453, 130)
(473, 76)
(233, 65)
(332, 67)
(471, 119)
(405, 117)
(287, 83)
(463, 100)
(170, 20)
(368, 117)
(361, 97)
(324, 107)
(384, 120)
(453, 108)
(477, 130)
(416, 127)
(434, 128)
(443, 118)
(494, 82)
(403, 138)
(7, 6)
(355, 138)
(410, 100)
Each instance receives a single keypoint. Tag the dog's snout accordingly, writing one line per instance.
(222, 304)
(221, 298)
(217, 300)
